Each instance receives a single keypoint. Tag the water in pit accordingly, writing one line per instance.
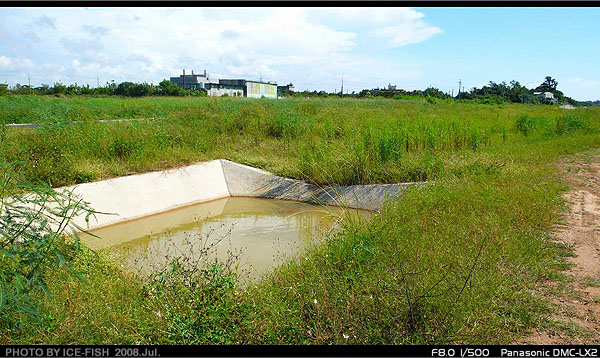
(259, 233)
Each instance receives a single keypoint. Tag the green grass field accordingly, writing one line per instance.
(452, 262)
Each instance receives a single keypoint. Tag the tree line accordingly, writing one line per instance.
(493, 92)
(125, 89)
(516, 93)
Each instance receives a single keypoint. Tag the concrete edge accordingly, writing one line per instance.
(136, 196)
(243, 180)
(38, 125)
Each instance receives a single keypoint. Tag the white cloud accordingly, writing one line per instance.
(15, 63)
(45, 22)
(398, 26)
(150, 44)
(95, 30)
(4, 62)
(79, 45)
(377, 15)
(408, 32)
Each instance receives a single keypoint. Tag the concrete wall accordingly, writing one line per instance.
(229, 91)
(243, 180)
(139, 195)
(259, 90)
(136, 196)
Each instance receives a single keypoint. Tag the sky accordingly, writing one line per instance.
(314, 48)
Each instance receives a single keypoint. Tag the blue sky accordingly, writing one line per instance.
(314, 48)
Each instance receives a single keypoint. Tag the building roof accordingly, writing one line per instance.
(243, 81)
(266, 83)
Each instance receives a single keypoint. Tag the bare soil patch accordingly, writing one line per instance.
(575, 317)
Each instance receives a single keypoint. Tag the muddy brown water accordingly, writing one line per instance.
(250, 234)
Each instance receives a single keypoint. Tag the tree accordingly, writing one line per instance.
(131, 89)
(549, 85)
(59, 88)
(124, 88)
(168, 88)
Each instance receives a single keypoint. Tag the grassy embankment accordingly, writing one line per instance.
(456, 261)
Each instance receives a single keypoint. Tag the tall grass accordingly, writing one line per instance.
(322, 141)
(32, 243)
(452, 262)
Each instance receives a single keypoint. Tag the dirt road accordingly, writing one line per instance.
(576, 301)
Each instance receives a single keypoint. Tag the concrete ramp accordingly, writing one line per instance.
(243, 180)
(136, 196)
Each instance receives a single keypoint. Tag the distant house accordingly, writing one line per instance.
(286, 88)
(193, 81)
(230, 87)
(545, 95)
(252, 89)
(257, 89)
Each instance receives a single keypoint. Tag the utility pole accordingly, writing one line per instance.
(459, 83)
(342, 90)
(184, 79)
(98, 81)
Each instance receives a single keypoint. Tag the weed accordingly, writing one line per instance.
(525, 124)
(32, 243)
(450, 262)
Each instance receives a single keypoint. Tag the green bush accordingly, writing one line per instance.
(569, 123)
(287, 124)
(525, 124)
(32, 243)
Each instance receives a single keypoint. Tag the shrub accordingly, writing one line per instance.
(32, 242)
(569, 123)
(525, 124)
(287, 124)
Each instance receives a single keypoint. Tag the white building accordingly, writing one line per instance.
(230, 87)
(545, 95)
